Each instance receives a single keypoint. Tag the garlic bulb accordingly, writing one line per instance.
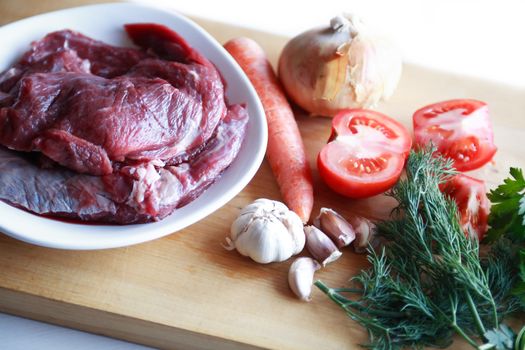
(342, 66)
(266, 231)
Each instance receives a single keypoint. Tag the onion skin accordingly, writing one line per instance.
(324, 70)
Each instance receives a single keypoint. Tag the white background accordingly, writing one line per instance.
(472, 37)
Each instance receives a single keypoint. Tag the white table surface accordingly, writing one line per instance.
(472, 37)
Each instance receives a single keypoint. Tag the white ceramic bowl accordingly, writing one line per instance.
(105, 22)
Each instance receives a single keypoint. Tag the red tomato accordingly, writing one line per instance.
(470, 195)
(460, 129)
(365, 153)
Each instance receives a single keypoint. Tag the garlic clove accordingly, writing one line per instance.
(240, 224)
(365, 231)
(335, 226)
(321, 246)
(301, 277)
(294, 224)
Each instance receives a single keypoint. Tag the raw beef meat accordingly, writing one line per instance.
(112, 134)
(151, 108)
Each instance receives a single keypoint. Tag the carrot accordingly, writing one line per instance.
(285, 151)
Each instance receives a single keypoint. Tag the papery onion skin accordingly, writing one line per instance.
(324, 70)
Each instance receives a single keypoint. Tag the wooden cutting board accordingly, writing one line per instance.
(186, 291)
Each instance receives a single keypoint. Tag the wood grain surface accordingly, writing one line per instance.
(185, 290)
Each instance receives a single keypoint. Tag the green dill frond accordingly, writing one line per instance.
(427, 283)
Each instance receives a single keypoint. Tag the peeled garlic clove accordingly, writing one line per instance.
(320, 246)
(301, 277)
(335, 226)
(365, 232)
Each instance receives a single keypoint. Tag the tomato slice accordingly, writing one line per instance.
(365, 154)
(470, 196)
(460, 129)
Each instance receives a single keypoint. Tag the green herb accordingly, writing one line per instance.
(501, 338)
(520, 340)
(507, 219)
(507, 214)
(519, 288)
(428, 282)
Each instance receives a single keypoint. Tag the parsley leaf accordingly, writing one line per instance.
(507, 218)
(510, 186)
(521, 210)
(507, 215)
(501, 338)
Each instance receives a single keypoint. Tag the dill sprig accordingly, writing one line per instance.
(428, 282)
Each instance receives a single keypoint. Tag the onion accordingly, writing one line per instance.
(327, 69)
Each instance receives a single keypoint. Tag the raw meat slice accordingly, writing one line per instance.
(110, 134)
(146, 108)
(75, 153)
(102, 59)
(134, 194)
